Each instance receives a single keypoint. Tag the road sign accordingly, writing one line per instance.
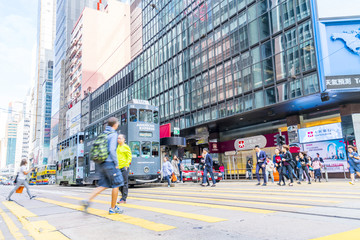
(176, 131)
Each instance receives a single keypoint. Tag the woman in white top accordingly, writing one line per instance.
(21, 180)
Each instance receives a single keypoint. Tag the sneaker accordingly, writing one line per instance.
(118, 210)
(298, 182)
(33, 196)
(352, 183)
(309, 182)
(9, 199)
(264, 184)
(214, 185)
(203, 185)
(169, 186)
(85, 204)
(121, 201)
(258, 184)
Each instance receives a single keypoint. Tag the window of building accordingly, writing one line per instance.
(259, 99)
(270, 97)
(295, 88)
(311, 84)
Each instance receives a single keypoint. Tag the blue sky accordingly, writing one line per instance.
(17, 48)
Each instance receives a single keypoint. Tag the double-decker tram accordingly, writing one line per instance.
(70, 164)
(139, 122)
(45, 174)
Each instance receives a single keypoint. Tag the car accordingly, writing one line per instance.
(217, 174)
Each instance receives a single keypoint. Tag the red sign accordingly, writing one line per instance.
(165, 130)
(241, 144)
(310, 134)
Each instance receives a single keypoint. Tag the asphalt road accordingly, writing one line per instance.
(232, 210)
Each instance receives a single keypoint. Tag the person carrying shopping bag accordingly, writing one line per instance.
(21, 180)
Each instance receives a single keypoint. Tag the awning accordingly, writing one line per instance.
(173, 141)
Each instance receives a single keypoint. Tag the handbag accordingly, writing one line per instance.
(20, 189)
(16, 178)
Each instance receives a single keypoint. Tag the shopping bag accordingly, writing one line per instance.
(20, 189)
(173, 178)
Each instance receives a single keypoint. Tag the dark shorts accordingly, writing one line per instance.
(107, 170)
(354, 167)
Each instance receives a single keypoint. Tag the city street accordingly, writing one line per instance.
(232, 210)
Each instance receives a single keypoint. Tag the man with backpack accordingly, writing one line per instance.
(103, 152)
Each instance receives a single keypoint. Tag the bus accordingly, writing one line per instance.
(139, 122)
(32, 180)
(45, 174)
(70, 164)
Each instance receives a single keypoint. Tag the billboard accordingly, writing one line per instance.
(333, 152)
(320, 133)
(337, 35)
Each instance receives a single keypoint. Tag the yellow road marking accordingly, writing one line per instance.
(37, 229)
(349, 235)
(275, 190)
(243, 209)
(247, 196)
(1, 236)
(157, 227)
(231, 200)
(288, 193)
(14, 230)
(199, 217)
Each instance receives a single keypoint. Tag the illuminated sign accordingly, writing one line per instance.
(320, 133)
(250, 143)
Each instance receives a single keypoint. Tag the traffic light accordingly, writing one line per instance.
(281, 140)
(276, 139)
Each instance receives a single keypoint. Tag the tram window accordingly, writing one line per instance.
(133, 115)
(156, 117)
(155, 149)
(123, 118)
(80, 162)
(135, 148)
(145, 115)
(81, 139)
(146, 149)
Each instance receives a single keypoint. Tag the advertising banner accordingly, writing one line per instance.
(320, 133)
(333, 152)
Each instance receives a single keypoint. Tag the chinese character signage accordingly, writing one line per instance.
(343, 82)
(250, 143)
(320, 133)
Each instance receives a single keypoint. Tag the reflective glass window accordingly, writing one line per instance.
(133, 115)
(270, 97)
(311, 84)
(135, 148)
(155, 149)
(146, 149)
(145, 115)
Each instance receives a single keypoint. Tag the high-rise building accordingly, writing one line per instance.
(67, 14)
(92, 59)
(44, 62)
(14, 118)
(233, 74)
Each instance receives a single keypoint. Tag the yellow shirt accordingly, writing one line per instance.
(123, 155)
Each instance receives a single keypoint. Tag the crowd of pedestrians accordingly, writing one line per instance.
(300, 168)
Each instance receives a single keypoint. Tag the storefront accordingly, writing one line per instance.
(326, 140)
(236, 153)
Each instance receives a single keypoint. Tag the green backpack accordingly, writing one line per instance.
(99, 150)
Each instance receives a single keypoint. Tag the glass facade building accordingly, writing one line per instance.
(207, 60)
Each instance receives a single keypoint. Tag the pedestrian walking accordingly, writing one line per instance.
(286, 160)
(175, 164)
(167, 170)
(260, 164)
(21, 180)
(208, 168)
(316, 165)
(304, 164)
(124, 157)
(277, 159)
(318, 158)
(249, 167)
(311, 170)
(354, 162)
(181, 169)
(110, 175)
(269, 169)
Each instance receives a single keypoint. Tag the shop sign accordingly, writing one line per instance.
(250, 143)
(343, 82)
(333, 152)
(320, 133)
(176, 131)
(230, 153)
(214, 147)
(201, 141)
